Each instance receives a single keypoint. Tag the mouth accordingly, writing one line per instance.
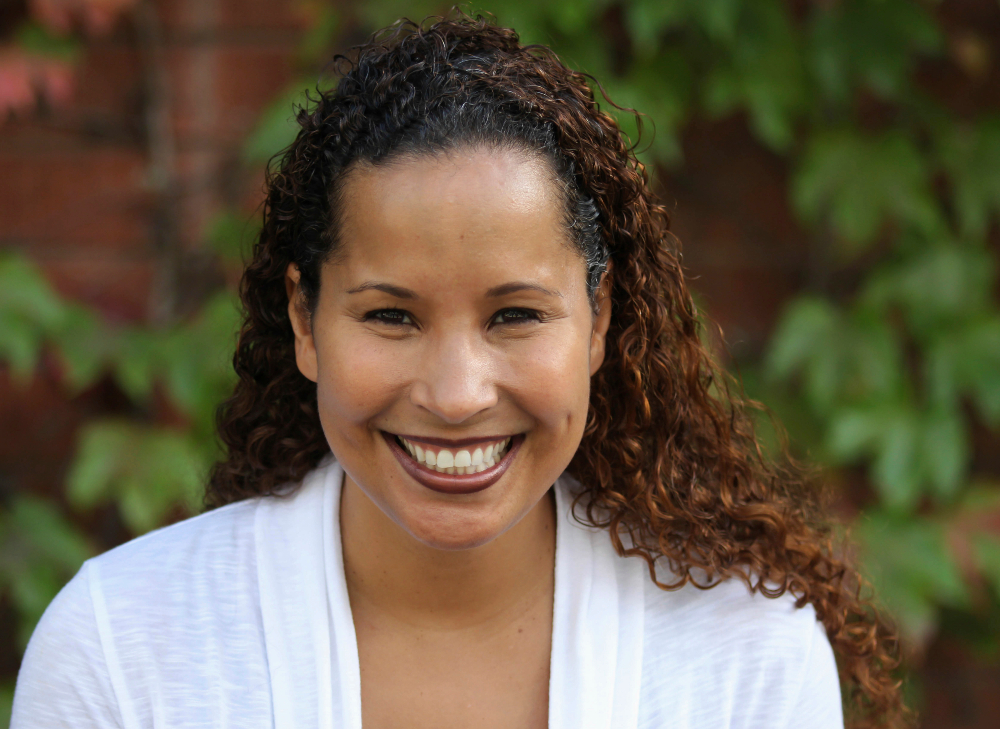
(455, 467)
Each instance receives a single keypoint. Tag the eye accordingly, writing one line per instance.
(393, 317)
(515, 316)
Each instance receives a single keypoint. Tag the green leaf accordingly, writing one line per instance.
(875, 44)
(661, 87)
(198, 358)
(936, 286)
(231, 234)
(39, 551)
(946, 452)
(912, 568)
(646, 21)
(146, 470)
(277, 127)
(6, 703)
(29, 312)
(48, 534)
(970, 154)
(987, 548)
(806, 324)
(105, 450)
(36, 38)
(321, 33)
(764, 72)
(863, 182)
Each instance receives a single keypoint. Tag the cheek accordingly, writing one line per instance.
(358, 378)
(551, 381)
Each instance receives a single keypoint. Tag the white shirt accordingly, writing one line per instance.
(240, 618)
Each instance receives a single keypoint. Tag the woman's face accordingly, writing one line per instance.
(453, 341)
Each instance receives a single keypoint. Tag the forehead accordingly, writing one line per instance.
(461, 204)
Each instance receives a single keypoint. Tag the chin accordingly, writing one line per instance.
(454, 532)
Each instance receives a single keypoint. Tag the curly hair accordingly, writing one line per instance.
(669, 456)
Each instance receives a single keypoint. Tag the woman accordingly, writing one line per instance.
(464, 293)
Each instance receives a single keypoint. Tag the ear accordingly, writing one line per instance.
(602, 320)
(305, 345)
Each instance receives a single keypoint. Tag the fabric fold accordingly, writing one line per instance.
(597, 630)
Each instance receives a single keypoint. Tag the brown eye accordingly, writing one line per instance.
(515, 316)
(395, 317)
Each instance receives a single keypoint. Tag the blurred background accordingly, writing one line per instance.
(833, 167)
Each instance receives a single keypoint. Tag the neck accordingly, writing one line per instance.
(390, 572)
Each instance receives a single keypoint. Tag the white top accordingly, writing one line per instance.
(240, 618)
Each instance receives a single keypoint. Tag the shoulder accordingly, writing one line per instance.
(195, 555)
(760, 661)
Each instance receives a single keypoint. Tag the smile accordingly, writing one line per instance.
(454, 467)
(445, 460)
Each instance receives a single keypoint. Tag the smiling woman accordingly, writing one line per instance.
(478, 473)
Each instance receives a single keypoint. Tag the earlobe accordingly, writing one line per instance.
(305, 345)
(602, 321)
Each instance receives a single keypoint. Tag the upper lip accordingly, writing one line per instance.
(450, 442)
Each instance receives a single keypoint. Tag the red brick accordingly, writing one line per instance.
(74, 199)
(119, 287)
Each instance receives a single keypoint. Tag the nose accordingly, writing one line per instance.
(455, 378)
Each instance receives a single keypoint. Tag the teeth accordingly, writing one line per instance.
(461, 463)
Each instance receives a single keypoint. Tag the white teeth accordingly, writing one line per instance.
(463, 462)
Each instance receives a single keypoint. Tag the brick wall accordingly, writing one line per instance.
(104, 202)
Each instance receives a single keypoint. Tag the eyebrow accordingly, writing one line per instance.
(403, 293)
(515, 286)
(398, 291)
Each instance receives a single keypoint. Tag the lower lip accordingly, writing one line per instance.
(446, 483)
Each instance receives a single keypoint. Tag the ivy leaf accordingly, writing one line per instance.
(970, 154)
(939, 286)
(37, 39)
(764, 72)
(146, 470)
(912, 569)
(946, 452)
(876, 44)
(40, 551)
(646, 21)
(806, 324)
(864, 182)
(277, 127)
(199, 384)
(987, 549)
(662, 88)
(230, 234)
(29, 311)
(965, 360)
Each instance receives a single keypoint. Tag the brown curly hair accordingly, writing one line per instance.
(669, 454)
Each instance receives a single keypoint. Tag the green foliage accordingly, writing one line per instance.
(146, 470)
(911, 568)
(883, 379)
(858, 183)
(40, 552)
(36, 39)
